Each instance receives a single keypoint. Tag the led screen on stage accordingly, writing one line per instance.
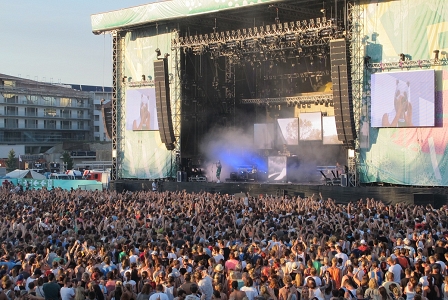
(329, 133)
(263, 136)
(277, 168)
(289, 131)
(403, 99)
(141, 111)
(310, 126)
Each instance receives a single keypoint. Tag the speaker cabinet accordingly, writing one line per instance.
(163, 102)
(342, 92)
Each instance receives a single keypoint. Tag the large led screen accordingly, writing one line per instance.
(403, 99)
(310, 126)
(141, 111)
(329, 132)
(264, 136)
(289, 131)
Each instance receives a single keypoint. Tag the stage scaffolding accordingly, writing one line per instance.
(117, 103)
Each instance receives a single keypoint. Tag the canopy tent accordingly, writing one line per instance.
(25, 174)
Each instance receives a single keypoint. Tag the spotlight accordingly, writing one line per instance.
(402, 57)
(436, 55)
(158, 52)
(322, 11)
(143, 77)
(166, 55)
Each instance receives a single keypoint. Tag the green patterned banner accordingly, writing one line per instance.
(409, 156)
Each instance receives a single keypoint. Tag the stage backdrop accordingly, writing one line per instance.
(410, 156)
(144, 155)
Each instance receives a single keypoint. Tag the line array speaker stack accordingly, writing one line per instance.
(342, 92)
(163, 103)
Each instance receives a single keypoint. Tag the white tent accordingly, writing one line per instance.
(25, 174)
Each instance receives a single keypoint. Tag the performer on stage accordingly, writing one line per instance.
(218, 171)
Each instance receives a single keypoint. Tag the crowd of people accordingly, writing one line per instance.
(149, 245)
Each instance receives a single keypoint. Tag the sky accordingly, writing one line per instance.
(52, 41)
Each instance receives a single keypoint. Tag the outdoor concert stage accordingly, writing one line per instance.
(389, 194)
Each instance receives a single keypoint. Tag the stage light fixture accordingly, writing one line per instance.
(268, 28)
(205, 36)
(436, 55)
(280, 26)
(274, 27)
(158, 52)
(255, 30)
(285, 25)
(250, 32)
(311, 22)
(238, 32)
(402, 57)
(143, 77)
(244, 31)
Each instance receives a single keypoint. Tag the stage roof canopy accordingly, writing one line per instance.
(208, 13)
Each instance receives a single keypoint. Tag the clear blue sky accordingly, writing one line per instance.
(53, 40)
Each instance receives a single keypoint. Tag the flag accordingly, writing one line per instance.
(20, 158)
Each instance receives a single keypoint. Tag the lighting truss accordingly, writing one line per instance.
(407, 64)
(271, 37)
(304, 99)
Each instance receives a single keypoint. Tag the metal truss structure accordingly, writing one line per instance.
(405, 64)
(176, 102)
(354, 36)
(117, 103)
(289, 36)
(308, 99)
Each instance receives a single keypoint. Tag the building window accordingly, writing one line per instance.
(49, 101)
(11, 111)
(49, 112)
(80, 125)
(66, 102)
(97, 138)
(31, 124)
(31, 99)
(13, 136)
(66, 113)
(49, 124)
(66, 125)
(11, 98)
(30, 111)
(80, 114)
(97, 106)
(97, 128)
(11, 123)
(97, 117)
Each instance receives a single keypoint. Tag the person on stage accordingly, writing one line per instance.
(218, 171)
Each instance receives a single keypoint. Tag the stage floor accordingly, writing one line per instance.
(437, 196)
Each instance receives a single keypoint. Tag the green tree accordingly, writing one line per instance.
(11, 162)
(67, 160)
